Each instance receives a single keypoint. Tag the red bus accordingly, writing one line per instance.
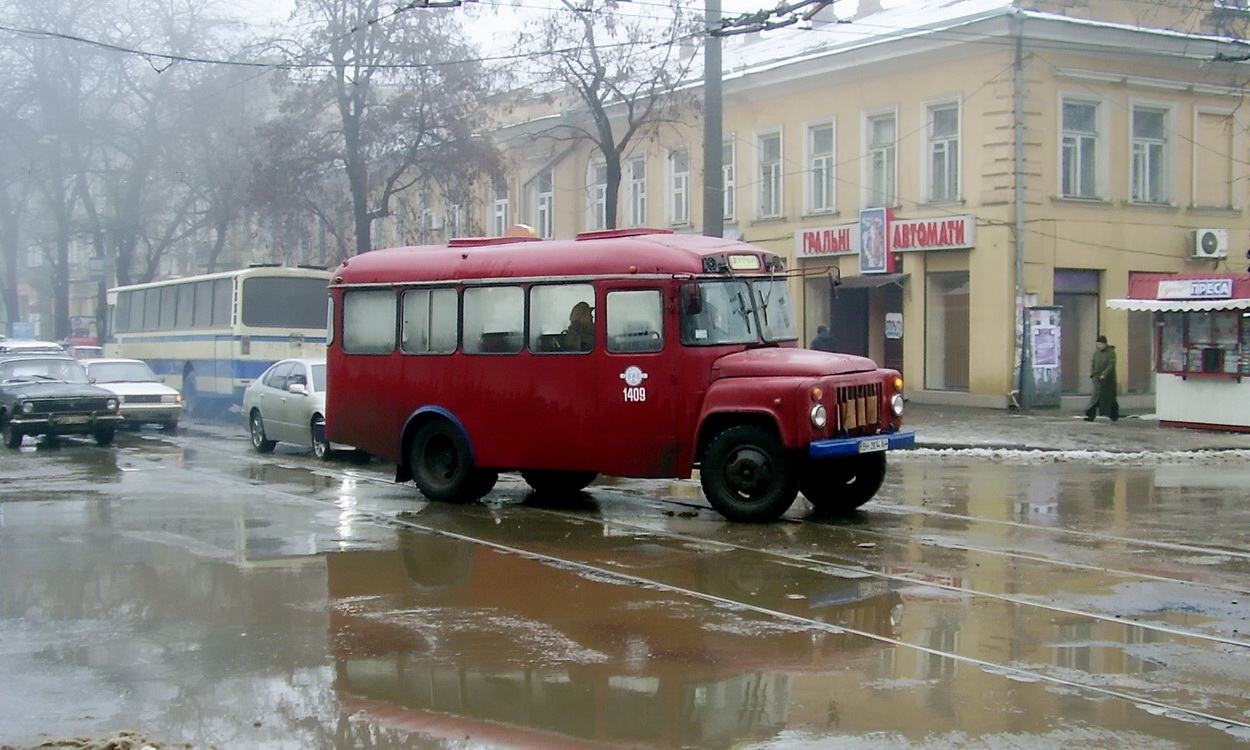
(630, 353)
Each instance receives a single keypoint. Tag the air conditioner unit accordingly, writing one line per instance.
(1210, 243)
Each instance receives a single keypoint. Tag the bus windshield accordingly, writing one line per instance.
(737, 311)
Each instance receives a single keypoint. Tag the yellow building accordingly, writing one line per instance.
(1053, 148)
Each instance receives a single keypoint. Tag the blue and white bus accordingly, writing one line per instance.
(211, 335)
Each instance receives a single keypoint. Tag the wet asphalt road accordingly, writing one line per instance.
(182, 586)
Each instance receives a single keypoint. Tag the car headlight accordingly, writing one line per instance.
(819, 415)
(111, 404)
(169, 398)
(896, 404)
(27, 407)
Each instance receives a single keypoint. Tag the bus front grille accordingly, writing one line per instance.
(858, 406)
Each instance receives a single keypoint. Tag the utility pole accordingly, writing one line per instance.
(713, 140)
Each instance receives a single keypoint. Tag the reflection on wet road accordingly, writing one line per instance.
(185, 587)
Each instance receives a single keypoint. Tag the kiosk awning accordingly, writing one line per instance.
(869, 280)
(1178, 305)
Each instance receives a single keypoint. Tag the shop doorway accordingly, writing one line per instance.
(859, 306)
(1076, 294)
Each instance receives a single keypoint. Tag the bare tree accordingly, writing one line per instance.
(625, 70)
(390, 97)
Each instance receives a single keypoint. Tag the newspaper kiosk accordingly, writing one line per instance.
(1202, 345)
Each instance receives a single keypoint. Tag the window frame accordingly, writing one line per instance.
(596, 195)
(822, 169)
(637, 191)
(1160, 164)
(678, 188)
(729, 203)
(770, 194)
(544, 203)
(499, 208)
(886, 153)
(952, 157)
(1098, 141)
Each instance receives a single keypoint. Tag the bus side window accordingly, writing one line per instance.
(494, 317)
(429, 323)
(552, 314)
(369, 321)
(635, 321)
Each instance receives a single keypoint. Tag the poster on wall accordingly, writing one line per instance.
(1044, 357)
(874, 240)
(894, 325)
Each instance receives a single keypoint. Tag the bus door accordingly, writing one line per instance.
(637, 391)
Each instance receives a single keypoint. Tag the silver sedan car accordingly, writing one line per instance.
(287, 404)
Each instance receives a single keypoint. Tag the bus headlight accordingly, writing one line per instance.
(820, 416)
(27, 407)
(111, 404)
(896, 404)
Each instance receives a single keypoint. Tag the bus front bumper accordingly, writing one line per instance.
(855, 446)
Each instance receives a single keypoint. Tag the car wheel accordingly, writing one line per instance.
(558, 482)
(840, 485)
(320, 446)
(748, 475)
(256, 426)
(170, 425)
(104, 436)
(12, 436)
(442, 465)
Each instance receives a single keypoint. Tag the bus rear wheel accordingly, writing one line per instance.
(840, 485)
(748, 475)
(442, 466)
(555, 482)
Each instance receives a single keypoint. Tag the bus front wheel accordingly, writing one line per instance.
(442, 466)
(840, 485)
(748, 475)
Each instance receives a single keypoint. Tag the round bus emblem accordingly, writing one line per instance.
(633, 376)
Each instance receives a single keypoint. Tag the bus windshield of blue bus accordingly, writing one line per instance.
(284, 302)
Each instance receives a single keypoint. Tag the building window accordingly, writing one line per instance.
(727, 178)
(597, 188)
(637, 170)
(499, 206)
(1215, 169)
(544, 199)
(679, 187)
(454, 225)
(882, 158)
(820, 164)
(768, 145)
(1149, 154)
(947, 331)
(943, 124)
(1080, 150)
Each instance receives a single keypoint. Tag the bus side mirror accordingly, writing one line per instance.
(691, 301)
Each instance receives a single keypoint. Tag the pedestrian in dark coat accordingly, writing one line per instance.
(824, 340)
(1102, 372)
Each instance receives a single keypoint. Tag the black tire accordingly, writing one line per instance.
(104, 436)
(170, 425)
(256, 428)
(555, 482)
(840, 485)
(190, 396)
(11, 435)
(442, 466)
(748, 475)
(320, 446)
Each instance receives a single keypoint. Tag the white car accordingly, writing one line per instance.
(288, 404)
(144, 398)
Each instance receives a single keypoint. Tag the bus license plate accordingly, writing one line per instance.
(872, 445)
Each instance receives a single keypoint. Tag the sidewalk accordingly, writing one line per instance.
(1057, 430)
